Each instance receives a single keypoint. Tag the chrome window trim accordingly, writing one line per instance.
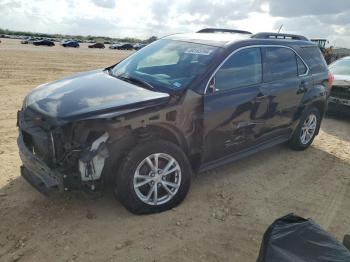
(254, 46)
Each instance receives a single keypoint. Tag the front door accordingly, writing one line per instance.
(232, 108)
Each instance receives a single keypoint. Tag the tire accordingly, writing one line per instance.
(297, 142)
(346, 241)
(136, 170)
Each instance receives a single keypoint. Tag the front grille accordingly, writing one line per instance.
(340, 92)
(34, 135)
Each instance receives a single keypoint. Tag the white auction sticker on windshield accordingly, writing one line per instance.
(177, 84)
(198, 51)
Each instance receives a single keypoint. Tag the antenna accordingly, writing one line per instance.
(279, 30)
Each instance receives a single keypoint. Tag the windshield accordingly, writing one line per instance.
(166, 64)
(340, 67)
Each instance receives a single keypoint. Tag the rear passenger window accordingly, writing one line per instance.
(279, 63)
(301, 66)
(241, 69)
(314, 59)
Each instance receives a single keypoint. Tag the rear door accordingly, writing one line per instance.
(231, 105)
(285, 82)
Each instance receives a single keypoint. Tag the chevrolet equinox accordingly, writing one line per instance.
(185, 103)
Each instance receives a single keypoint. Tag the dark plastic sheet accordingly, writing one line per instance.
(295, 239)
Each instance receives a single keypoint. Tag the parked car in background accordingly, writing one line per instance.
(339, 100)
(97, 45)
(185, 103)
(114, 46)
(71, 43)
(43, 42)
(126, 46)
(28, 40)
(139, 46)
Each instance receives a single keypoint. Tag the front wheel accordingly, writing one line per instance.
(307, 130)
(153, 177)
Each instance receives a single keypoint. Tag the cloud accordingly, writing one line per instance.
(342, 18)
(105, 3)
(219, 12)
(90, 26)
(6, 6)
(316, 27)
(297, 8)
(134, 18)
(192, 15)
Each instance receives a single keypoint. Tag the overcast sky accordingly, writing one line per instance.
(143, 18)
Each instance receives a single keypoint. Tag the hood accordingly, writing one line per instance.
(341, 80)
(90, 93)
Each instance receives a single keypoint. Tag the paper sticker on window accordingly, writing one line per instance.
(198, 51)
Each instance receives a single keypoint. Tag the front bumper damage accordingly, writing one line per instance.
(36, 172)
(48, 172)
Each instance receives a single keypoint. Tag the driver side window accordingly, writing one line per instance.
(241, 69)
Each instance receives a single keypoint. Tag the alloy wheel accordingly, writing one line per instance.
(157, 179)
(308, 129)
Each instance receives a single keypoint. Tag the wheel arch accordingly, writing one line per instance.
(171, 133)
(320, 105)
(131, 138)
(164, 131)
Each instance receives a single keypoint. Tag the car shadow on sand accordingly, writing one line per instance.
(76, 216)
(342, 120)
(97, 205)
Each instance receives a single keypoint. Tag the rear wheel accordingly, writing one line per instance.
(153, 177)
(307, 130)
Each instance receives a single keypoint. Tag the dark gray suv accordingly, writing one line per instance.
(183, 104)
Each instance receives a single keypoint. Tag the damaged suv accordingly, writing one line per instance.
(183, 104)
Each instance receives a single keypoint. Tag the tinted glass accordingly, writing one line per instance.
(340, 67)
(301, 66)
(167, 64)
(314, 59)
(160, 58)
(241, 69)
(279, 63)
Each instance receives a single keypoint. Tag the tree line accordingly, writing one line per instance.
(77, 37)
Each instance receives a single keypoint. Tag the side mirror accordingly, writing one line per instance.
(211, 86)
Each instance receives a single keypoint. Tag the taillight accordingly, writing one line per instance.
(330, 80)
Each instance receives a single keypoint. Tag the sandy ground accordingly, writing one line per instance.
(222, 219)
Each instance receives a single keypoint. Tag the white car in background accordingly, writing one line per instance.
(339, 100)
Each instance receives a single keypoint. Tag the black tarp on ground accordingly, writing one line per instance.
(295, 239)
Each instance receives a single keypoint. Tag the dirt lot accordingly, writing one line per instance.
(222, 219)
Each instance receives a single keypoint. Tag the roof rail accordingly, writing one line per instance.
(220, 30)
(279, 36)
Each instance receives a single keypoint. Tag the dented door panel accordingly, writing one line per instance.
(231, 121)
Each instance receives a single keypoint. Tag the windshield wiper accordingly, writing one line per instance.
(135, 80)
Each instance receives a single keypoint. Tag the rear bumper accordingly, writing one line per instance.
(336, 105)
(338, 101)
(36, 172)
